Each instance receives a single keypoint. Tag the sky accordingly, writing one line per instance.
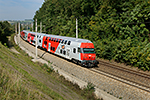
(19, 9)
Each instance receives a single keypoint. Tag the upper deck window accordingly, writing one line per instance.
(49, 39)
(54, 39)
(59, 40)
(69, 42)
(32, 35)
(62, 41)
(65, 42)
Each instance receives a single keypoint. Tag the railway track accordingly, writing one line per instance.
(129, 76)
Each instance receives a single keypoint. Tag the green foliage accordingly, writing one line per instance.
(88, 91)
(47, 68)
(5, 30)
(129, 51)
(119, 29)
(90, 87)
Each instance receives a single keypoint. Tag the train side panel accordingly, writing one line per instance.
(65, 49)
(50, 44)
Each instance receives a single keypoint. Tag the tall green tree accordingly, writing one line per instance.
(119, 29)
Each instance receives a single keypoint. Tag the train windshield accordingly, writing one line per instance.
(88, 50)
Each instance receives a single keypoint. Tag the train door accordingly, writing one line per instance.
(49, 45)
(30, 40)
(39, 40)
(68, 53)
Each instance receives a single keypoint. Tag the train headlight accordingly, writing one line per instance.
(84, 58)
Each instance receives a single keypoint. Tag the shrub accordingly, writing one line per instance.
(129, 51)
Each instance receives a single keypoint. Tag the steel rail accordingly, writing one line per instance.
(123, 79)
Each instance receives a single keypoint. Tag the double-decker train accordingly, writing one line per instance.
(78, 50)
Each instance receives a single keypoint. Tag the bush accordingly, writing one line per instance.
(47, 68)
(129, 51)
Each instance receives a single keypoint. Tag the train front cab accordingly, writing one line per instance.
(87, 54)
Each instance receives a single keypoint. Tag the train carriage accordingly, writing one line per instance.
(24, 35)
(78, 50)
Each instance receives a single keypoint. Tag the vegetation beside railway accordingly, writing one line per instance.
(119, 29)
(5, 30)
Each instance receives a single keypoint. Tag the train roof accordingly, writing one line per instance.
(62, 37)
(69, 38)
(33, 32)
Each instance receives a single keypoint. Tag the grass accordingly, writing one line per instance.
(13, 85)
(22, 79)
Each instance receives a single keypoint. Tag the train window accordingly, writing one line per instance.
(46, 38)
(69, 42)
(74, 50)
(49, 39)
(64, 52)
(40, 41)
(32, 35)
(65, 42)
(54, 39)
(53, 48)
(62, 41)
(61, 51)
(88, 50)
(57, 40)
(79, 50)
(33, 41)
(45, 42)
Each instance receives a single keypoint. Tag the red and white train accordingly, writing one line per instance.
(75, 49)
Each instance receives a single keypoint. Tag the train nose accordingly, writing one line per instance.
(91, 57)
